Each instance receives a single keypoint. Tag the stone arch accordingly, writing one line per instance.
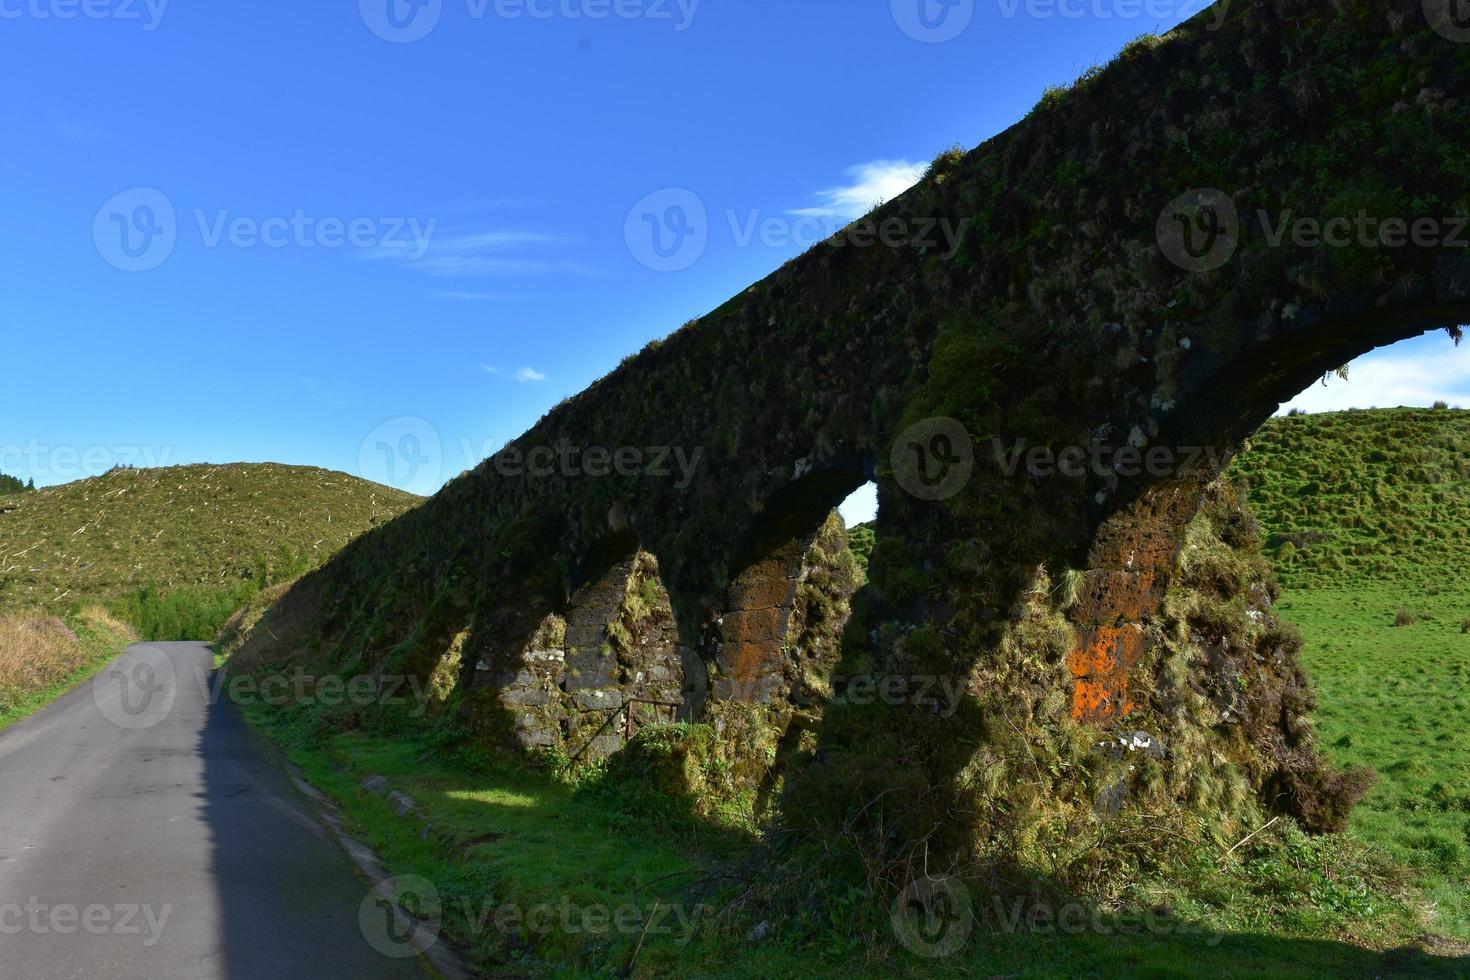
(595, 668)
(751, 656)
(1135, 544)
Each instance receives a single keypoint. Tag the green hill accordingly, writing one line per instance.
(130, 536)
(1363, 496)
(1367, 514)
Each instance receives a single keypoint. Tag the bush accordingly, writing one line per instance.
(1441, 405)
(1465, 626)
(12, 484)
(1405, 617)
(183, 614)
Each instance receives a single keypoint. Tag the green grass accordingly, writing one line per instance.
(509, 835)
(1368, 517)
(1398, 699)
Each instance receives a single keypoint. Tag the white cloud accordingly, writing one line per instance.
(495, 252)
(872, 184)
(1432, 370)
(525, 375)
(474, 297)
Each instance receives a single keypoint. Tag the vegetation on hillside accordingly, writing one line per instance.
(175, 551)
(45, 655)
(1368, 518)
(13, 484)
(1363, 497)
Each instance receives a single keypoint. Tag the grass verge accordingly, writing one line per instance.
(41, 658)
(540, 875)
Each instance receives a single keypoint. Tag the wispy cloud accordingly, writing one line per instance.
(870, 184)
(489, 252)
(468, 296)
(1385, 379)
(525, 375)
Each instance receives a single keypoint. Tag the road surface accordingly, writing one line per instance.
(145, 833)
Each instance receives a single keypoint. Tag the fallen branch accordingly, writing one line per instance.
(1248, 836)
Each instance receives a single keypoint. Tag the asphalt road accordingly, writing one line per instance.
(145, 833)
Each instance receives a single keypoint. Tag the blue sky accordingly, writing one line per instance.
(386, 239)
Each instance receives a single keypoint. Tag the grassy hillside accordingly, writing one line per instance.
(1368, 515)
(1366, 496)
(176, 550)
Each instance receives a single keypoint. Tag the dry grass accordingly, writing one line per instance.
(40, 652)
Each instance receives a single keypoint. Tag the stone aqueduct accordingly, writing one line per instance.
(1121, 286)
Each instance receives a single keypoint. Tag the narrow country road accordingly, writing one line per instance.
(146, 833)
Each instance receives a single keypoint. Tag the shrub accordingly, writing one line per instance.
(1405, 617)
(1441, 405)
(182, 614)
(1465, 626)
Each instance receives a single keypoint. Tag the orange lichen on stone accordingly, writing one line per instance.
(1100, 666)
